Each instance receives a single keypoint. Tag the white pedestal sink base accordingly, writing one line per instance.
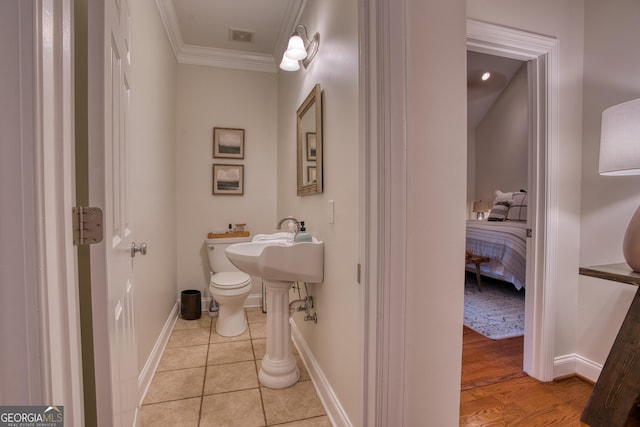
(278, 374)
(279, 367)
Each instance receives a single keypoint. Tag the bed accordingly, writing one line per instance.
(505, 243)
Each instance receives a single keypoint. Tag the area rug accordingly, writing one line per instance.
(497, 312)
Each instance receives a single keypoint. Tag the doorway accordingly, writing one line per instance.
(540, 53)
(498, 167)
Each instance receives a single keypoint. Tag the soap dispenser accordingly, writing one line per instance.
(302, 235)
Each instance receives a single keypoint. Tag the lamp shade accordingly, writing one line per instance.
(480, 206)
(295, 49)
(620, 155)
(620, 139)
(288, 64)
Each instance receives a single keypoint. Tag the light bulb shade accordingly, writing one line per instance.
(295, 49)
(480, 206)
(620, 139)
(288, 64)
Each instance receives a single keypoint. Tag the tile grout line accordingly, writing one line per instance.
(204, 380)
(211, 331)
(255, 366)
(301, 419)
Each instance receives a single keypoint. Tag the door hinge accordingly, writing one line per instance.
(87, 225)
(529, 232)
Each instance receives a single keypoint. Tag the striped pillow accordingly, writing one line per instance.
(499, 211)
(518, 209)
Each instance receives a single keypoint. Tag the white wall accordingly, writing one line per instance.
(611, 77)
(436, 180)
(501, 149)
(336, 341)
(211, 97)
(153, 112)
(564, 21)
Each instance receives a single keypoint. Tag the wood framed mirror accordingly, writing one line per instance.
(309, 143)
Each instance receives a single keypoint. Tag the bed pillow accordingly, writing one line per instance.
(518, 209)
(499, 211)
(502, 197)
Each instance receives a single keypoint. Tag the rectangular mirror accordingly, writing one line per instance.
(309, 143)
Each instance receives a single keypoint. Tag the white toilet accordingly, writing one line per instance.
(228, 286)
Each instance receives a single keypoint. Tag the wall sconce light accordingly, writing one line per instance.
(300, 49)
(620, 155)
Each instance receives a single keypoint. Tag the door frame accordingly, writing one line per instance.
(383, 210)
(55, 156)
(541, 54)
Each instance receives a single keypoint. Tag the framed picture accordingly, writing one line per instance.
(311, 146)
(228, 179)
(228, 143)
(311, 174)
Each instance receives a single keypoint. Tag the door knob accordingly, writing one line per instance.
(142, 249)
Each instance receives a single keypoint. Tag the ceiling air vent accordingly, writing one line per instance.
(240, 35)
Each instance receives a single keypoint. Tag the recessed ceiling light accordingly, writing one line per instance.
(486, 76)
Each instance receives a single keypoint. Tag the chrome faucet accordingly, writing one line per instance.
(292, 219)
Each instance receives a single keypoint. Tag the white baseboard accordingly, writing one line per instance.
(587, 368)
(329, 400)
(575, 364)
(253, 300)
(564, 365)
(145, 377)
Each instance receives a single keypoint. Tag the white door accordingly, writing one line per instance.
(112, 282)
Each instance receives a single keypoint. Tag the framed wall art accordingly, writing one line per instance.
(228, 143)
(311, 174)
(311, 146)
(228, 179)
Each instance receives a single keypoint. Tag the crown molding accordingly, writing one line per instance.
(225, 58)
(170, 21)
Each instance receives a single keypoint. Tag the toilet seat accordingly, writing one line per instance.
(230, 280)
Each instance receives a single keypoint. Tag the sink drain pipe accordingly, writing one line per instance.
(303, 304)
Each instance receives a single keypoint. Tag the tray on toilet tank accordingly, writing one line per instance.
(227, 235)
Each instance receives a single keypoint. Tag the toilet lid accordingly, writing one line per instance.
(230, 279)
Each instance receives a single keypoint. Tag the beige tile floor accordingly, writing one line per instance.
(204, 379)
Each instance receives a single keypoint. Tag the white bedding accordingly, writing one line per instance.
(505, 243)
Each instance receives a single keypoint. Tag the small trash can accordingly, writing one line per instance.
(190, 304)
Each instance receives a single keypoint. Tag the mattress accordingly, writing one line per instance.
(505, 243)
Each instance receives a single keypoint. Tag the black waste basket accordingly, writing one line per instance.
(190, 304)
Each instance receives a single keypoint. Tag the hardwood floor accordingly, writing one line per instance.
(485, 361)
(495, 391)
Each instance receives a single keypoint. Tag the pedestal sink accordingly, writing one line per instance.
(280, 263)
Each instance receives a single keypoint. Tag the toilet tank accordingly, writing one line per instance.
(218, 261)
